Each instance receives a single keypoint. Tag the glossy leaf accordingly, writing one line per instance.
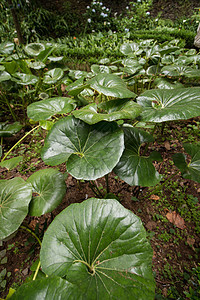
(125, 110)
(179, 71)
(162, 83)
(131, 49)
(49, 189)
(9, 129)
(100, 69)
(76, 87)
(4, 76)
(111, 85)
(45, 109)
(6, 48)
(25, 79)
(15, 195)
(36, 65)
(134, 168)
(51, 288)
(11, 163)
(52, 76)
(101, 248)
(34, 49)
(191, 170)
(169, 104)
(90, 151)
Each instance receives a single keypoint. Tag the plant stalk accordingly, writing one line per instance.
(32, 233)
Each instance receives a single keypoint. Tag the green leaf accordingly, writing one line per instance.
(100, 69)
(11, 163)
(25, 79)
(15, 195)
(76, 87)
(49, 189)
(51, 288)
(4, 76)
(134, 168)
(11, 67)
(179, 71)
(170, 104)
(36, 65)
(162, 83)
(34, 49)
(52, 76)
(101, 248)
(9, 129)
(117, 109)
(131, 49)
(90, 151)
(45, 109)
(191, 170)
(6, 48)
(111, 85)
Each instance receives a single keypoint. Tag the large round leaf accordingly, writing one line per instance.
(134, 168)
(163, 83)
(45, 109)
(51, 288)
(191, 170)
(34, 49)
(49, 189)
(91, 151)
(125, 110)
(111, 85)
(7, 48)
(131, 49)
(170, 104)
(100, 247)
(25, 79)
(52, 76)
(15, 195)
(180, 70)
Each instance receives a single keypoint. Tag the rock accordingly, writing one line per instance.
(25, 272)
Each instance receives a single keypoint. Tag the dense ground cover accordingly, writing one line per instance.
(122, 126)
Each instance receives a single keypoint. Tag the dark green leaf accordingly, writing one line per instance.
(49, 189)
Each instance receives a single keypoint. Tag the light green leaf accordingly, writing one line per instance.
(45, 109)
(11, 163)
(170, 104)
(9, 129)
(34, 49)
(52, 76)
(25, 79)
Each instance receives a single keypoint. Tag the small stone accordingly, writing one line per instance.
(25, 272)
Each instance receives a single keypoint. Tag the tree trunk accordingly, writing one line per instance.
(16, 22)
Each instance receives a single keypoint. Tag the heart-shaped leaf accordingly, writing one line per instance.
(101, 248)
(191, 170)
(52, 76)
(111, 85)
(134, 168)
(45, 109)
(49, 189)
(90, 151)
(34, 49)
(100, 69)
(36, 65)
(9, 129)
(170, 104)
(120, 110)
(11, 163)
(76, 87)
(15, 195)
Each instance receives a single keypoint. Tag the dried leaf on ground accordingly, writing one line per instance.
(176, 219)
(154, 197)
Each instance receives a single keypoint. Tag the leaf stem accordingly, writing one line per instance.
(37, 270)
(19, 142)
(31, 232)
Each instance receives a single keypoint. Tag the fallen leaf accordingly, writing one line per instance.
(190, 241)
(151, 225)
(176, 219)
(167, 145)
(154, 197)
